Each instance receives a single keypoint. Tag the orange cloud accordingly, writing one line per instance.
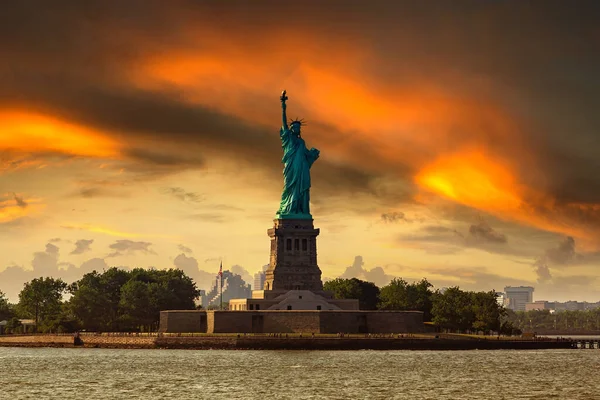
(11, 210)
(111, 232)
(474, 178)
(27, 132)
(416, 125)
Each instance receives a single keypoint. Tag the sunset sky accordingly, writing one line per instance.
(460, 141)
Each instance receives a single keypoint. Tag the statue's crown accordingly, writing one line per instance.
(297, 121)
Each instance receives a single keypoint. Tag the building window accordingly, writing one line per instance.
(288, 244)
(289, 307)
(296, 244)
(304, 244)
(300, 297)
(252, 306)
(318, 307)
(258, 306)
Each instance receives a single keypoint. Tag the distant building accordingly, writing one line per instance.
(558, 306)
(518, 296)
(591, 306)
(501, 299)
(202, 295)
(233, 287)
(260, 278)
(27, 326)
(540, 305)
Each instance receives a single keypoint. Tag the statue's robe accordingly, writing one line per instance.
(297, 160)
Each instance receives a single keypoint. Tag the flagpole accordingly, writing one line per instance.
(221, 285)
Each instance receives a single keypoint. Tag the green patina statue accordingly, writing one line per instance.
(297, 160)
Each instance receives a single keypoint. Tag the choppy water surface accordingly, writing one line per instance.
(48, 373)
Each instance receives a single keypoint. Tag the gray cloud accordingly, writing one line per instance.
(543, 272)
(189, 265)
(184, 249)
(482, 231)
(93, 192)
(394, 217)
(376, 275)
(126, 246)
(243, 272)
(564, 253)
(560, 255)
(20, 202)
(208, 217)
(82, 246)
(181, 194)
(45, 264)
(437, 239)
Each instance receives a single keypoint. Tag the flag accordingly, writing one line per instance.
(221, 270)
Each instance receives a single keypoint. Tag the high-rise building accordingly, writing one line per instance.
(501, 299)
(518, 296)
(259, 278)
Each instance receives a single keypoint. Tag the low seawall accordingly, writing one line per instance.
(115, 341)
(280, 343)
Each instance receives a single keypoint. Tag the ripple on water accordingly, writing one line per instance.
(48, 373)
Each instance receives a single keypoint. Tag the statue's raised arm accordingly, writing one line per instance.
(283, 99)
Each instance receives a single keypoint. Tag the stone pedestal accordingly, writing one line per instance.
(293, 261)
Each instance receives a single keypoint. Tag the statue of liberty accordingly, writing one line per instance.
(297, 160)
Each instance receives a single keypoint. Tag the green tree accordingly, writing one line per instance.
(453, 310)
(41, 299)
(136, 304)
(401, 295)
(487, 312)
(96, 299)
(65, 321)
(5, 308)
(128, 300)
(13, 325)
(367, 293)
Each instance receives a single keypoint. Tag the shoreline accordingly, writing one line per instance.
(282, 343)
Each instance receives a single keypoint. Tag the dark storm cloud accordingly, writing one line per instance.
(151, 115)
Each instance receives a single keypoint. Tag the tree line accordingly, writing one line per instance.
(118, 300)
(114, 300)
(579, 321)
(452, 309)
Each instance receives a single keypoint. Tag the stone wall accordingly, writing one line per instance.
(291, 321)
(395, 322)
(183, 321)
(118, 340)
(229, 321)
(336, 322)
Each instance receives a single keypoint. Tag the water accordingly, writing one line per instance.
(48, 373)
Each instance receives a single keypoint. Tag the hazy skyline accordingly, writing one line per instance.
(459, 141)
